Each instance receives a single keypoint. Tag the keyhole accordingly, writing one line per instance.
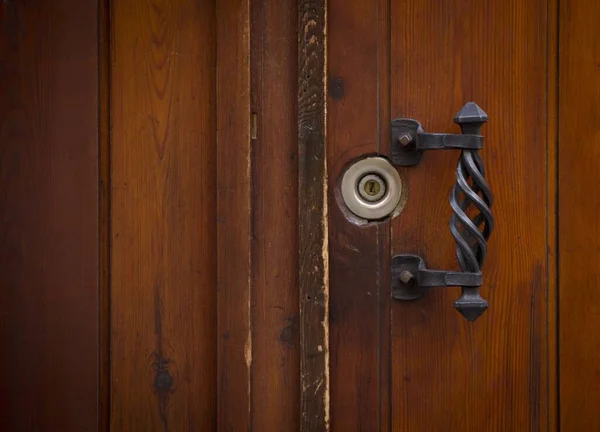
(372, 187)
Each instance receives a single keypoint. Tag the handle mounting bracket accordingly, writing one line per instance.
(409, 141)
(411, 277)
(471, 223)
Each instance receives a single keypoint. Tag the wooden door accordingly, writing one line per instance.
(419, 365)
(176, 254)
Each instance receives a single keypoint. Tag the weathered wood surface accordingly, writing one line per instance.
(275, 309)
(313, 218)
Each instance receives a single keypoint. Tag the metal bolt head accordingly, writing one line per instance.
(406, 276)
(405, 139)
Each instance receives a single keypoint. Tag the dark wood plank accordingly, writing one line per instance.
(275, 334)
(356, 60)
(492, 374)
(312, 218)
(234, 169)
(579, 206)
(49, 210)
(163, 202)
(104, 234)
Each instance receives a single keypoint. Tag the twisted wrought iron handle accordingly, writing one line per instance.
(471, 191)
(472, 221)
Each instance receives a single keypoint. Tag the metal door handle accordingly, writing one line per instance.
(471, 223)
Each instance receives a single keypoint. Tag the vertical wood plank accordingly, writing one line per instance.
(163, 202)
(312, 217)
(104, 233)
(552, 213)
(49, 211)
(234, 209)
(579, 206)
(492, 374)
(275, 331)
(356, 58)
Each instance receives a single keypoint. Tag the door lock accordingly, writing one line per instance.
(371, 188)
(471, 223)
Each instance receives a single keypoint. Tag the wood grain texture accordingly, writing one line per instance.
(579, 205)
(275, 332)
(359, 315)
(163, 225)
(490, 375)
(104, 24)
(49, 211)
(234, 227)
(552, 213)
(312, 218)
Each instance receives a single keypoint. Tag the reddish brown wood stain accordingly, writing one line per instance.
(163, 225)
(579, 206)
(355, 51)
(49, 210)
(173, 255)
(448, 374)
(275, 320)
(234, 211)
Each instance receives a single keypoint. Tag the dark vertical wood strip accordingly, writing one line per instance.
(234, 188)
(578, 221)
(49, 211)
(449, 374)
(104, 164)
(356, 57)
(163, 225)
(312, 217)
(275, 331)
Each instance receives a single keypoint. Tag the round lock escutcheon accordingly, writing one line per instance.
(372, 188)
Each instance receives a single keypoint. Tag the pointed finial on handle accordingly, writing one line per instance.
(470, 304)
(470, 118)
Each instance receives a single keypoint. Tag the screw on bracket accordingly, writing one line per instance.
(405, 139)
